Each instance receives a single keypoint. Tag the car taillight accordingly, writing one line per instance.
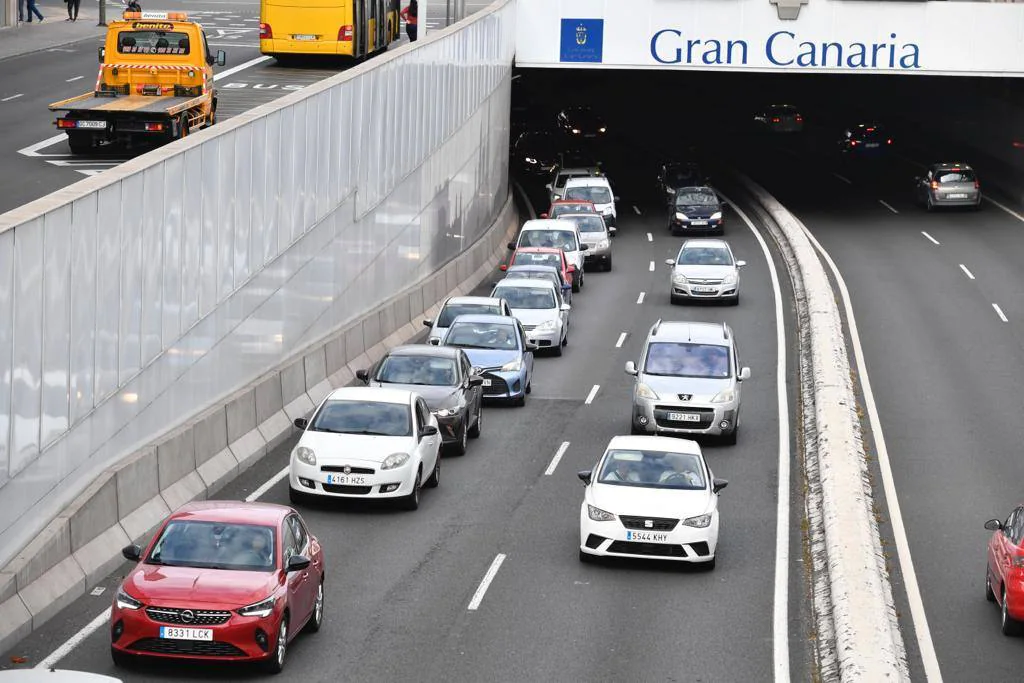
(154, 127)
(345, 34)
(799, 119)
(775, 119)
(66, 123)
(503, 267)
(853, 143)
(889, 141)
(977, 185)
(266, 31)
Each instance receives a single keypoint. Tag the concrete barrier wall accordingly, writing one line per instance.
(136, 299)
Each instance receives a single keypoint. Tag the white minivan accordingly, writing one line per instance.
(593, 189)
(558, 233)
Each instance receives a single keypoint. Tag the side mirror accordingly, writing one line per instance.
(301, 423)
(429, 430)
(671, 191)
(670, 262)
(296, 563)
(134, 553)
(477, 370)
(566, 307)
(744, 374)
(543, 215)
(503, 267)
(548, 186)
(740, 264)
(531, 347)
(428, 323)
(631, 368)
(435, 341)
(991, 525)
(222, 58)
(584, 476)
(476, 381)
(718, 484)
(511, 246)
(362, 375)
(584, 247)
(612, 231)
(102, 54)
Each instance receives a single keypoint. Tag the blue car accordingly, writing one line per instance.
(497, 346)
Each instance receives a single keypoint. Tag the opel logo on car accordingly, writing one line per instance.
(188, 616)
(348, 470)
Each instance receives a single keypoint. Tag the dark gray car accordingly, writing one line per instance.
(948, 185)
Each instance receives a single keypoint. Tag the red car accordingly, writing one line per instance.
(562, 207)
(224, 581)
(1004, 570)
(542, 256)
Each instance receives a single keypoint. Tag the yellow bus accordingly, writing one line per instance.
(353, 28)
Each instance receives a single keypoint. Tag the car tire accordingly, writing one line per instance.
(556, 350)
(674, 300)
(412, 501)
(274, 664)
(80, 143)
(316, 620)
(636, 431)
(1009, 626)
(460, 446)
(709, 565)
(297, 497)
(576, 281)
(730, 438)
(474, 432)
(435, 477)
(529, 387)
(608, 265)
(121, 660)
(990, 595)
(587, 558)
(735, 301)
(928, 206)
(520, 401)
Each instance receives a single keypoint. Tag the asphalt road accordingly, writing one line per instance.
(399, 584)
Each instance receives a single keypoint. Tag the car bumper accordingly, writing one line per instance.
(652, 417)
(688, 291)
(972, 199)
(276, 46)
(546, 339)
(239, 639)
(593, 255)
(310, 480)
(696, 225)
(681, 544)
(504, 385)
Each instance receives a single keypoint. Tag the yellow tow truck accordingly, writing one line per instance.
(155, 84)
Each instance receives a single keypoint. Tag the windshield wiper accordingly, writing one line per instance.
(366, 432)
(327, 430)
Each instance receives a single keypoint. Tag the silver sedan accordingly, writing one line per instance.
(705, 269)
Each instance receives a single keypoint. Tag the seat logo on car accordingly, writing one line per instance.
(347, 470)
(188, 616)
(685, 397)
(648, 524)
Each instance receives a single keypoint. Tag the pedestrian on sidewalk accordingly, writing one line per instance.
(73, 5)
(410, 15)
(32, 9)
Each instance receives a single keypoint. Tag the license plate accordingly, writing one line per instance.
(705, 289)
(646, 536)
(304, 36)
(684, 417)
(346, 480)
(698, 222)
(956, 196)
(871, 145)
(487, 382)
(178, 633)
(91, 124)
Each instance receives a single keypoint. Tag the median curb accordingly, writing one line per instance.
(126, 502)
(854, 610)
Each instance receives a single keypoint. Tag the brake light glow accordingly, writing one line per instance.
(871, 130)
(799, 119)
(66, 123)
(853, 143)
(345, 34)
(154, 127)
(889, 141)
(265, 31)
(502, 267)
(775, 119)
(977, 185)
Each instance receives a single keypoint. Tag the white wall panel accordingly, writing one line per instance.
(242, 192)
(192, 239)
(152, 262)
(173, 237)
(6, 343)
(211, 199)
(108, 290)
(27, 363)
(225, 171)
(56, 323)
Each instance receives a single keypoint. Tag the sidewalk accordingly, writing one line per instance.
(54, 32)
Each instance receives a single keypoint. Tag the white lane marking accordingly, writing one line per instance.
(651, 267)
(242, 67)
(967, 272)
(933, 240)
(887, 205)
(1004, 208)
(591, 395)
(780, 614)
(843, 178)
(926, 647)
(558, 458)
(12, 97)
(650, 237)
(637, 210)
(485, 583)
(621, 340)
(267, 485)
(76, 78)
(640, 299)
(1000, 313)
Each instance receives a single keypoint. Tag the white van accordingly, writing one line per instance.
(558, 233)
(593, 189)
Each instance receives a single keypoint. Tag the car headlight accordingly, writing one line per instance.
(513, 365)
(575, 131)
(599, 515)
(603, 244)
(306, 455)
(680, 216)
(602, 129)
(556, 195)
(607, 211)
(729, 279)
(394, 460)
(446, 412)
(726, 396)
(716, 216)
(263, 608)
(699, 522)
(530, 160)
(125, 601)
(547, 326)
(644, 391)
(679, 279)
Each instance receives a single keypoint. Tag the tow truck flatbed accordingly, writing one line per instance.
(143, 104)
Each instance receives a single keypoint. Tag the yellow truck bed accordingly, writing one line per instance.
(143, 104)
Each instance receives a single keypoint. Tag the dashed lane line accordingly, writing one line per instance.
(967, 272)
(557, 459)
(593, 392)
(930, 238)
(621, 341)
(640, 299)
(888, 205)
(485, 583)
(999, 312)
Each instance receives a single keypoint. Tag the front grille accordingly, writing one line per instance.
(194, 648)
(661, 413)
(498, 386)
(657, 523)
(350, 490)
(170, 615)
(698, 281)
(341, 468)
(654, 549)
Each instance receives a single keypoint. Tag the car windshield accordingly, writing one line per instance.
(590, 193)
(469, 335)
(539, 259)
(215, 545)
(697, 198)
(953, 176)
(152, 43)
(526, 297)
(562, 209)
(564, 177)
(591, 223)
(704, 256)
(454, 310)
(428, 371)
(653, 469)
(373, 418)
(686, 359)
(868, 133)
(556, 239)
(783, 110)
(548, 275)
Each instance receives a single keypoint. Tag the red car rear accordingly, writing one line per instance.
(562, 207)
(543, 256)
(1004, 570)
(221, 580)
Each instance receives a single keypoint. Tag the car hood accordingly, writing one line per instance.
(705, 272)
(436, 397)
(336, 448)
(593, 237)
(491, 358)
(640, 501)
(164, 586)
(535, 316)
(702, 389)
(698, 210)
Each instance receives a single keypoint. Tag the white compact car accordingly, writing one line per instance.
(594, 189)
(557, 233)
(651, 497)
(454, 306)
(705, 269)
(538, 305)
(367, 442)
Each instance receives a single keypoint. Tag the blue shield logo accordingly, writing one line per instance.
(582, 40)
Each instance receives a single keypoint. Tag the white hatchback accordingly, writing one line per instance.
(651, 497)
(367, 442)
(594, 189)
(557, 233)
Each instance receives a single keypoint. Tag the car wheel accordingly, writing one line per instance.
(735, 301)
(635, 431)
(565, 339)
(529, 386)
(709, 565)
(121, 659)
(275, 663)
(460, 446)
(435, 476)
(928, 206)
(474, 432)
(520, 401)
(674, 300)
(582, 277)
(297, 497)
(576, 279)
(412, 501)
(608, 265)
(556, 350)
(317, 620)
(989, 593)
(1010, 626)
(730, 438)
(587, 558)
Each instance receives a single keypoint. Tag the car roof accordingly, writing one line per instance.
(588, 181)
(526, 283)
(588, 216)
(485, 300)
(232, 512)
(378, 394)
(705, 243)
(548, 224)
(423, 350)
(484, 318)
(950, 164)
(697, 332)
(696, 188)
(577, 169)
(540, 250)
(669, 444)
(565, 202)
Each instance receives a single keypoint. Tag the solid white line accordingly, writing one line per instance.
(640, 299)
(258, 493)
(622, 339)
(12, 97)
(843, 178)
(650, 237)
(637, 210)
(780, 614)
(592, 394)
(1005, 208)
(926, 647)
(75, 640)
(966, 272)
(933, 240)
(486, 582)
(558, 458)
(76, 78)
(651, 267)
(887, 205)
(1000, 313)
(241, 67)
